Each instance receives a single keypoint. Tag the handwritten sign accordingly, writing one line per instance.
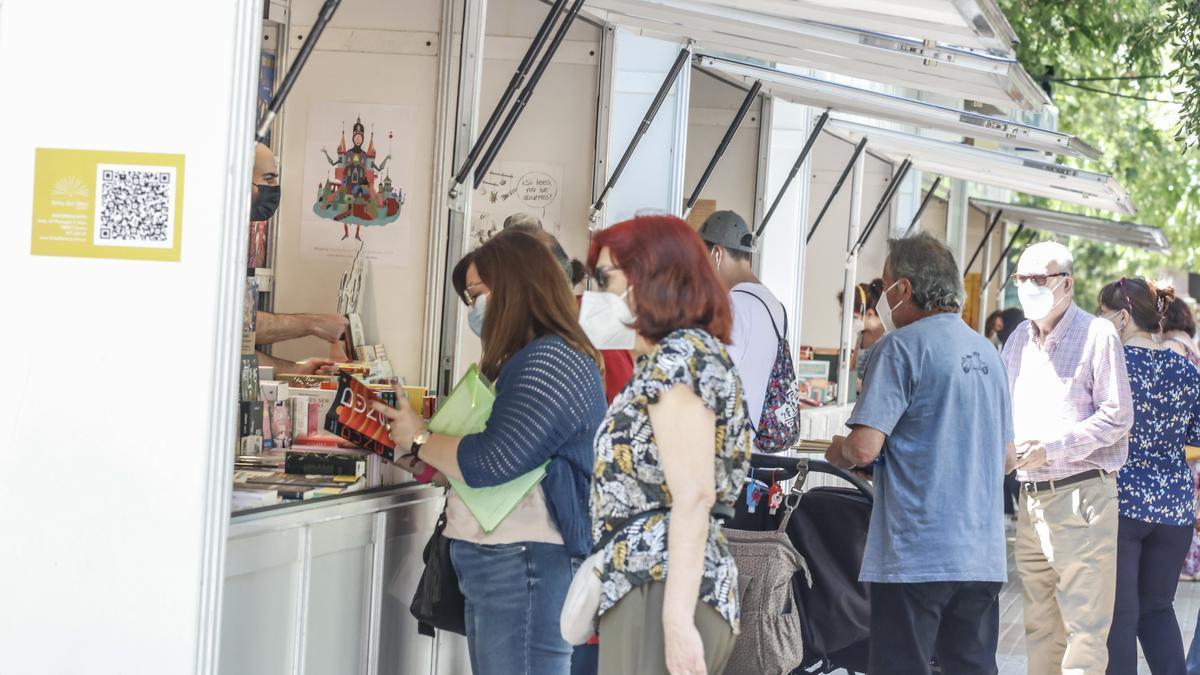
(537, 189)
(517, 187)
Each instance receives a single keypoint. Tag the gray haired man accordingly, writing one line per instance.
(935, 420)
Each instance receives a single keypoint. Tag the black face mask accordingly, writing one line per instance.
(266, 204)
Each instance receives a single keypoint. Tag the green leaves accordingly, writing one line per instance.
(1148, 146)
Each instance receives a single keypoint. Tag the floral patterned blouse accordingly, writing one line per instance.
(628, 478)
(1156, 483)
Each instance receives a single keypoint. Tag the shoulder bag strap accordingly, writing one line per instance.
(774, 327)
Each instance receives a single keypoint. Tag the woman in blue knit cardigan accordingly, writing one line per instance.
(549, 403)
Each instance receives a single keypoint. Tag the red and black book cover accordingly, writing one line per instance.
(353, 418)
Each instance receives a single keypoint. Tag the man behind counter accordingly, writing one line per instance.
(273, 328)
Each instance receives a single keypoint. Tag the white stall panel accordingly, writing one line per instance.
(338, 596)
(121, 374)
(653, 179)
(258, 619)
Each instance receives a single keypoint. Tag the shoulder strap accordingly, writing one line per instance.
(774, 327)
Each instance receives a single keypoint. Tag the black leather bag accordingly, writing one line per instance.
(438, 602)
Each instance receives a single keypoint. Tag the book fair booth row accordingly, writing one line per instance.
(247, 538)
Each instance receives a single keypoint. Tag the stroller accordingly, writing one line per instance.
(828, 527)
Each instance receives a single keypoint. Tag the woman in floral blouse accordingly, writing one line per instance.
(1155, 485)
(671, 455)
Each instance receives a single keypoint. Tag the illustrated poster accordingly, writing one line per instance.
(517, 187)
(357, 173)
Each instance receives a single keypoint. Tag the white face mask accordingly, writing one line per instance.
(475, 314)
(607, 320)
(1112, 318)
(884, 309)
(1038, 301)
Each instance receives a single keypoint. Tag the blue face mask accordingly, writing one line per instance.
(475, 314)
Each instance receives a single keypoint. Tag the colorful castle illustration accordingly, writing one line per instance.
(354, 195)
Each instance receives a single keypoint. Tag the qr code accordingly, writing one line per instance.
(135, 206)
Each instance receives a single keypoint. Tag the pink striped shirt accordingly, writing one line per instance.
(1071, 392)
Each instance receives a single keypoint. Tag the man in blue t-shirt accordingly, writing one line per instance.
(934, 417)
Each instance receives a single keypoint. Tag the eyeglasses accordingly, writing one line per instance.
(600, 275)
(469, 297)
(1037, 279)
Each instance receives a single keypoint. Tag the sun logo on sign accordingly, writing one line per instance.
(70, 186)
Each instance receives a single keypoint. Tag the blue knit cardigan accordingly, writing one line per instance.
(549, 404)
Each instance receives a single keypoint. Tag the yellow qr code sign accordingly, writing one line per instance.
(107, 204)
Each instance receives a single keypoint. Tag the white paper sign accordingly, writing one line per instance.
(517, 187)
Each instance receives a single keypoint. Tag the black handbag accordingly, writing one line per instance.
(438, 602)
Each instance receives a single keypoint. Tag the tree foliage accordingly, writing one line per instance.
(1145, 144)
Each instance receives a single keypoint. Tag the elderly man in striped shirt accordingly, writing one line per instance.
(1072, 412)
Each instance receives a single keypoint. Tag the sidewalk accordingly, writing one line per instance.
(1011, 656)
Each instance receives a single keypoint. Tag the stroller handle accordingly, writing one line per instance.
(802, 466)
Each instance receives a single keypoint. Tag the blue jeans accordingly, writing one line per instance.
(514, 596)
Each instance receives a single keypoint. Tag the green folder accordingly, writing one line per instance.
(466, 411)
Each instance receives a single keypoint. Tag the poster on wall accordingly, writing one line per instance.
(357, 173)
(517, 187)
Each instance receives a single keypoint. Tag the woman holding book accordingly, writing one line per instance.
(671, 456)
(549, 402)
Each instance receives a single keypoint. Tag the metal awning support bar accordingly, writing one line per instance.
(882, 206)
(523, 99)
(1007, 249)
(924, 203)
(837, 187)
(987, 234)
(787, 182)
(285, 87)
(724, 144)
(514, 84)
(684, 55)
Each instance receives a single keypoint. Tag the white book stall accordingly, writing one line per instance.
(405, 134)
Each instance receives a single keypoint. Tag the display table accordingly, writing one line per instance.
(825, 422)
(323, 587)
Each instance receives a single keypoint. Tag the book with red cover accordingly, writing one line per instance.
(353, 418)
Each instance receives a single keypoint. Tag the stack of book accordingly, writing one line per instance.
(275, 477)
(250, 407)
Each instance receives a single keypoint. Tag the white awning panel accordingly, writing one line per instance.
(967, 23)
(844, 98)
(1076, 225)
(880, 57)
(1030, 176)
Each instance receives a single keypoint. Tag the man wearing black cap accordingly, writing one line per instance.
(759, 320)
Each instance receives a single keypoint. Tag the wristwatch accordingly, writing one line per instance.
(418, 441)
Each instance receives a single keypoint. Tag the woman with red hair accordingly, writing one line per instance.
(671, 455)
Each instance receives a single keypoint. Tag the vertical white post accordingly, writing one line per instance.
(851, 274)
(448, 242)
(984, 286)
(780, 255)
(956, 221)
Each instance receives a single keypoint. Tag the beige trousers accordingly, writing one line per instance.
(1066, 550)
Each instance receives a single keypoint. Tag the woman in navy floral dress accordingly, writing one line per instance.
(1155, 485)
